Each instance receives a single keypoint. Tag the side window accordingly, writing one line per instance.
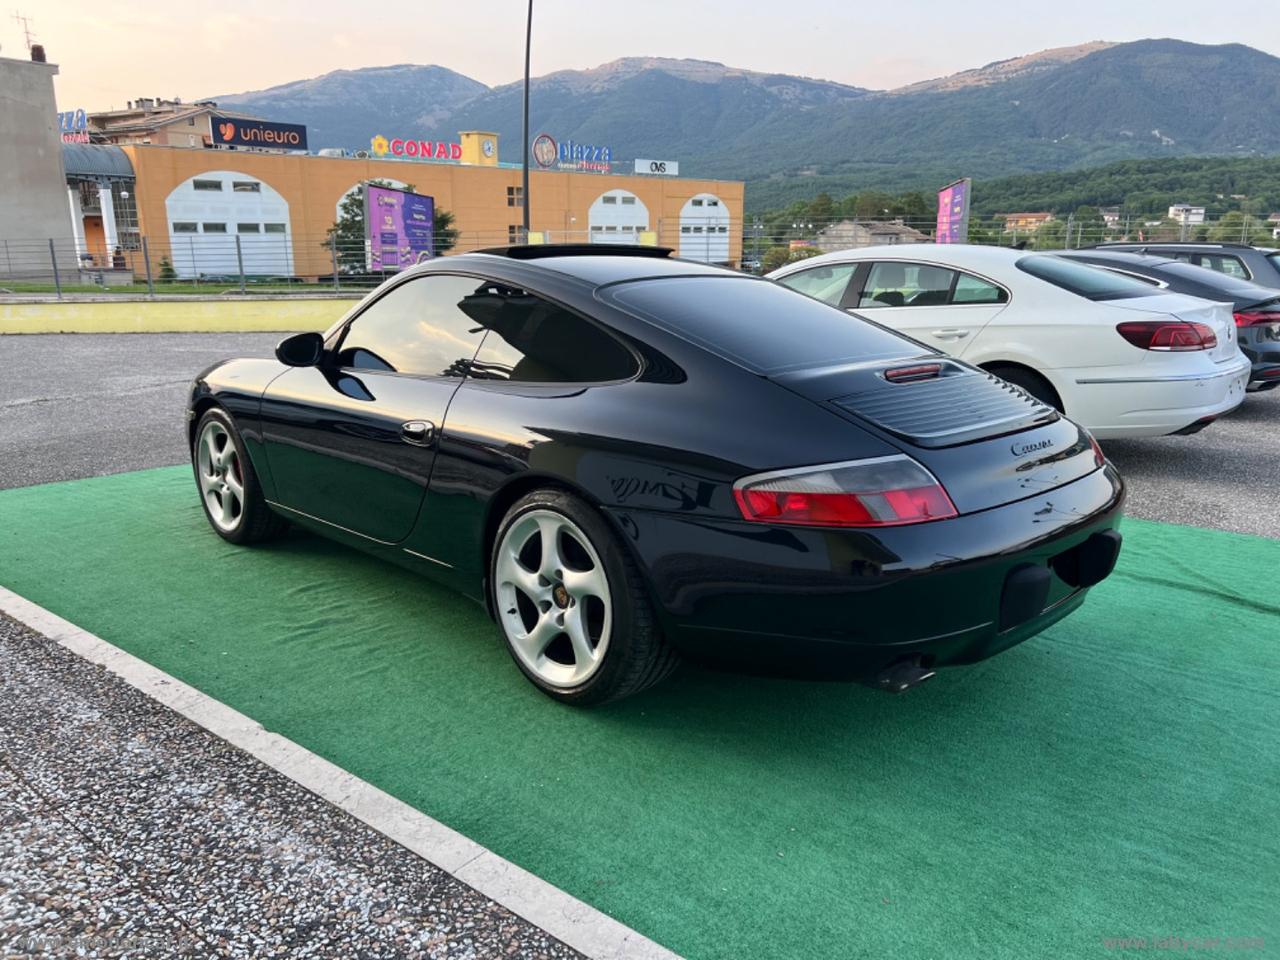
(531, 340)
(1231, 266)
(906, 285)
(822, 283)
(418, 327)
(972, 290)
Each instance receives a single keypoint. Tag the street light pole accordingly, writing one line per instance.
(528, 42)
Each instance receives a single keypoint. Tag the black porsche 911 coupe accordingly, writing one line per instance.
(628, 458)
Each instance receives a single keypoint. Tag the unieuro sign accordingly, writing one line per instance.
(243, 132)
(953, 212)
(415, 149)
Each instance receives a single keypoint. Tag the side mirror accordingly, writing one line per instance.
(300, 350)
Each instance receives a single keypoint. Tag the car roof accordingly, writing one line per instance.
(1196, 245)
(1167, 268)
(971, 255)
(596, 269)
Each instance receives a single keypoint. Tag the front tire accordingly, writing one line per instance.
(229, 489)
(571, 604)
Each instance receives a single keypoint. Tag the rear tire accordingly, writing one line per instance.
(571, 603)
(1030, 381)
(229, 489)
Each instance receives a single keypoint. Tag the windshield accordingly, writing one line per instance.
(1092, 283)
(757, 324)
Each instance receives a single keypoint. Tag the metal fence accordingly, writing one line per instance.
(271, 258)
(209, 260)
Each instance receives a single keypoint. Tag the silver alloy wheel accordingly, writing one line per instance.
(221, 476)
(553, 598)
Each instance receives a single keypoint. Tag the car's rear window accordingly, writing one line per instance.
(1092, 283)
(757, 324)
(1222, 282)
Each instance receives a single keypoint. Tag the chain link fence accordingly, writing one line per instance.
(233, 259)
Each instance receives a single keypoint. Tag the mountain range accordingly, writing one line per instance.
(791, 137)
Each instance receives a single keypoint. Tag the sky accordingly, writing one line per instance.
(110, 51)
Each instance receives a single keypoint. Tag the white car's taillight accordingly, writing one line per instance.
(881, 492)
(1174, 336)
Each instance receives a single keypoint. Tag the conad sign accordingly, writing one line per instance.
(416, 149)
(660, 168)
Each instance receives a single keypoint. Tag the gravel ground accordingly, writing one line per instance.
(127, 830)
(85, 405)
(1226, 476)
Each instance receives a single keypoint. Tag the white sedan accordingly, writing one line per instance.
(1115, 354)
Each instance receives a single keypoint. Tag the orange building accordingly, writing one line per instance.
(192, 205)
(1024, 221)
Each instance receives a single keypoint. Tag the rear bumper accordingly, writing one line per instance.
(1134, 404)
(844, 604)
(1261, 345)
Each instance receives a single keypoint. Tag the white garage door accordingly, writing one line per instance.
(704, 229)
(208, 212)
(617, 216)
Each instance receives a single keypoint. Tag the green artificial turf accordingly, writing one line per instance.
(1118, 776)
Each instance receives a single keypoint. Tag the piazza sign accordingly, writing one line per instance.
(415, 149)
(569, 155)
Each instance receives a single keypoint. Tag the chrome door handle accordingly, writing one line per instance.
(950, 333)
(418, 432)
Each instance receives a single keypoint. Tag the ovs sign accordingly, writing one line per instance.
(659, 168)
(415, 149)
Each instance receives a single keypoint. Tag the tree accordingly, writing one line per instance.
(348, 231)
(774, 258)
(167, 273)
(822, 209)
(1088, 226)
(781, 255)
(1051, 235)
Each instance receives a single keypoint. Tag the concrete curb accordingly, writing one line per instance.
(573, 922)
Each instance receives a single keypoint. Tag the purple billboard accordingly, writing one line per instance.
(399, 225)
(953, 212)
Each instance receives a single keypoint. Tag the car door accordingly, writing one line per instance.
(543, 372)
(937, 305)
(352, 441)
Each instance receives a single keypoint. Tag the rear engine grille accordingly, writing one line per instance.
(959, 407)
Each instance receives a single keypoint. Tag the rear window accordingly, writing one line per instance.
(1221, 282)
(1092, 283)
(757, 324)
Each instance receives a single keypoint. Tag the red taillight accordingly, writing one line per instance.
(1255, 318)
(886, 491)
(921, 371)
(1167, 335)
(1099, 458)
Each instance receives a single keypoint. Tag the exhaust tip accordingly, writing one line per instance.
(902, 675)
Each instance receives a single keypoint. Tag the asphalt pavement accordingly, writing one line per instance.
(85, 405)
